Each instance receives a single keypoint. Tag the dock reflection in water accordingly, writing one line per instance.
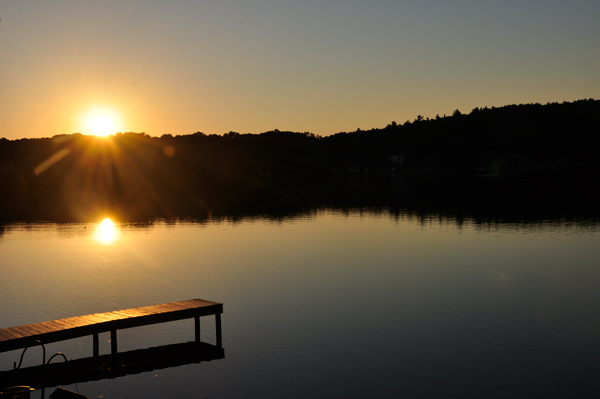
(112, 366)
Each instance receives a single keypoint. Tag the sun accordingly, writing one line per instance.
(101, 125)
(102, 122)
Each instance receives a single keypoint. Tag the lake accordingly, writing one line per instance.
(329, 301)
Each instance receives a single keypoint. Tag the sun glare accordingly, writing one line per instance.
(102, 123)
(106, 232)
(101, 126)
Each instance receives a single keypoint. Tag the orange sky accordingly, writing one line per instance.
(251, 66)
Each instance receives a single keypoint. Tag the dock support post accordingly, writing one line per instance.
(113, 342)
(96, 345)
(197, 328)
(218, 327)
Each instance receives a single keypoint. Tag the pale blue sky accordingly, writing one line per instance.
(249, 66)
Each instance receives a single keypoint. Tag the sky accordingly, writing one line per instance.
(250, 66)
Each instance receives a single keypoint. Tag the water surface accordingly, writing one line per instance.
(327, 303)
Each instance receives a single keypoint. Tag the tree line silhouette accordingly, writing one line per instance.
(76, 176)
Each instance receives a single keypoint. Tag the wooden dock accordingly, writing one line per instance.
(21, 337)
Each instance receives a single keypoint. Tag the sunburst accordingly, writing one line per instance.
(102, 122)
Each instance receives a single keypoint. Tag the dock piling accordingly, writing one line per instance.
(96, 345)
(197, 328)
(218, 328)
(113, 342)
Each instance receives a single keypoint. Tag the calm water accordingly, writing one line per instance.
(328, 303)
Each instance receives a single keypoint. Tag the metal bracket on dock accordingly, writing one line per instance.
(57, 354)
(25, 350)
(43, 356)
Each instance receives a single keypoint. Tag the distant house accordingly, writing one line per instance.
(433, 161)
(397, 159)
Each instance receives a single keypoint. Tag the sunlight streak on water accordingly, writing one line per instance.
(106, 232)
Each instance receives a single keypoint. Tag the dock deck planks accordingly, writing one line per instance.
(20, 337)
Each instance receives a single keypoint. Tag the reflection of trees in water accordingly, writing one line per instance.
(532, 202)
(541, 200)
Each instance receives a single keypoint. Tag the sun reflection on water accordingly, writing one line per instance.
(106, 232)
